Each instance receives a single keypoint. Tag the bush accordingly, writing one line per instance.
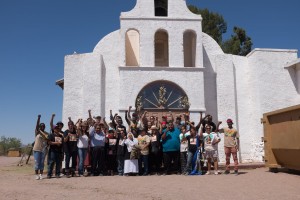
(7, 143)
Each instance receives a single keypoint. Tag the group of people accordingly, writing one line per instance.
(148, 146)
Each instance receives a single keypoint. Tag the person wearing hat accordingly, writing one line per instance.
(59, 124)
(231, 145)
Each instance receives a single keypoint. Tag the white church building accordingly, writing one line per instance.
(161, 61)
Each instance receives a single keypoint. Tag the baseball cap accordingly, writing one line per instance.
(229, 121)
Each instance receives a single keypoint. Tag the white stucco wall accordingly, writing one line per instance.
(298, 78)
(293, 69)
(246, 111)
(108, 48)
(83, 85)
(273, 84)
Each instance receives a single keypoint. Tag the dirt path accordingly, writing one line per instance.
(19, 183)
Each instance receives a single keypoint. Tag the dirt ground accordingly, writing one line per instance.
(19, 183)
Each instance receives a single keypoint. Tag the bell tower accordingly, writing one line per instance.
(161, 33)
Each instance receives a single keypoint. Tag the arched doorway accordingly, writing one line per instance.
(159, 98)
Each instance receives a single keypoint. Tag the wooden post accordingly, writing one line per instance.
(29, 156)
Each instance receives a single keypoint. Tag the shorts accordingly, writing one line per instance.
(213, 154)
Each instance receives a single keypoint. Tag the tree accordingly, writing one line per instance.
(7, 143)
(238, 44)
(214, 25)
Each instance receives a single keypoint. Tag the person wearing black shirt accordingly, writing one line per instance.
(56, 141)
(120, 151)
(192, 149)
(70, 148)
(111, 156)
(155, 150)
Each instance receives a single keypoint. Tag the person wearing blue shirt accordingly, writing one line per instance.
(98, 141)
(171, 147)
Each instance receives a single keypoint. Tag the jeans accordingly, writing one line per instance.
(168, 157)
(54, 157)
(72, 155)
(190, 156)
(39, 159)
(183, 161)
(228, 152)
(82, 152)
(120, 161)
(144, 159)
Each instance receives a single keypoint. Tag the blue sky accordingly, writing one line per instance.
(35, 35)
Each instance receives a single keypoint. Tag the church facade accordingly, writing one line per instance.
(161, 61)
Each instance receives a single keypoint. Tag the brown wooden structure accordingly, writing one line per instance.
(282, 138)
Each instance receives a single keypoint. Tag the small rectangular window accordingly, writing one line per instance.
(161, 8)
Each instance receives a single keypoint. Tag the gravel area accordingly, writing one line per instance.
(19, 183)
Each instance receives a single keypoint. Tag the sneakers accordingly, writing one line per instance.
(207, 173)
(37, 177)
(227, 172)
(236, 172)
(186, 173)
(41, 177)
(216, 173)
(195, 173)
